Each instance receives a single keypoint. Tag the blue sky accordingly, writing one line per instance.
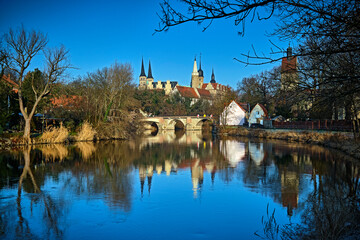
(98, 33)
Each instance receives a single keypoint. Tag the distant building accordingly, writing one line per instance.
(200, 90)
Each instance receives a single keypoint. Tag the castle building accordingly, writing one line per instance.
(198, 89)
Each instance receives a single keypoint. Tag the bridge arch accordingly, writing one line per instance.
(151, 125)
(202, 121)
(177, 124)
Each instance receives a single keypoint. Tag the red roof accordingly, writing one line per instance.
(288, 65)
(66, 101)
(187, 92)
(263, 108)
(204, 93)
(241, 106)
(215, 85)
(10, 82)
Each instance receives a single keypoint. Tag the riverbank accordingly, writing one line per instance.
(61, 135)
(340, 141)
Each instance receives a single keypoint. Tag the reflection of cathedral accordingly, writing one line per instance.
(262, 169)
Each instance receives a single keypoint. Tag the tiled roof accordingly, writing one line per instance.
(288, 66)
(204, 93)
(187, 92)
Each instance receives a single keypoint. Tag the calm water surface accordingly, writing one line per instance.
(174, 186)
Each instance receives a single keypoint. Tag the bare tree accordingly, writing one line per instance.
(108, 88)
(327, 33)
(21, 47)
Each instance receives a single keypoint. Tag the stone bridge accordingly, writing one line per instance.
(189, 123)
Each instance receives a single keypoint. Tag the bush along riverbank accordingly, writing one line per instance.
(62, 135)
(340, 141)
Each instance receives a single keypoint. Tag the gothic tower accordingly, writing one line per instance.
(150, 78)
(142, 78)
(195, 76)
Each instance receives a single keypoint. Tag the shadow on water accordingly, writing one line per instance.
(310, 182)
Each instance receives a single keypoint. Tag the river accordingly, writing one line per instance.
(178, 186)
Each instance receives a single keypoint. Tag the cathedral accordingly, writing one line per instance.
(198, 88)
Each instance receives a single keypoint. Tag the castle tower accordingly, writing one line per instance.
(142, 78)
(212, 77)
(195, 76)
(201, 75)
(150, 78)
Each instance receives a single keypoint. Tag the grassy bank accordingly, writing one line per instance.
(340, 141)
(62, 135)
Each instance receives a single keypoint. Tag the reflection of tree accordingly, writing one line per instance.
(51, 211)
(105, 170)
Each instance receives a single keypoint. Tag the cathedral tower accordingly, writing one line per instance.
(142, 78)
(150, 78)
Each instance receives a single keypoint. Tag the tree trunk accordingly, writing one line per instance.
(107, 111)
(27, 130)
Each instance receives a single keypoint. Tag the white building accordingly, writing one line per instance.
(258, 114)
(233, 114)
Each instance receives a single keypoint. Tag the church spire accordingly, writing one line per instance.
(142, 74)
(201, 73)
(149, 71)
(213, 77)
(195, 70)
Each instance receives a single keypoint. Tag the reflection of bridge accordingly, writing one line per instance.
(189, 123)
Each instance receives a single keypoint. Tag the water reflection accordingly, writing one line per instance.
(44, 189)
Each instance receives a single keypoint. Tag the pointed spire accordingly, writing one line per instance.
(149, 71)
(195, 70)
(213, 77)
(149, 178)
(142, 74)
(201, 73)
(289, 53)
(142, 182)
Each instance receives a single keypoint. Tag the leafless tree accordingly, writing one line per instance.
(21, 47)
(297, 19)
(326, 31)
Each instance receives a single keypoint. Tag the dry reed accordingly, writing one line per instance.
(54, 151)
(55, 135)
(86, 149)
(87, 133)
